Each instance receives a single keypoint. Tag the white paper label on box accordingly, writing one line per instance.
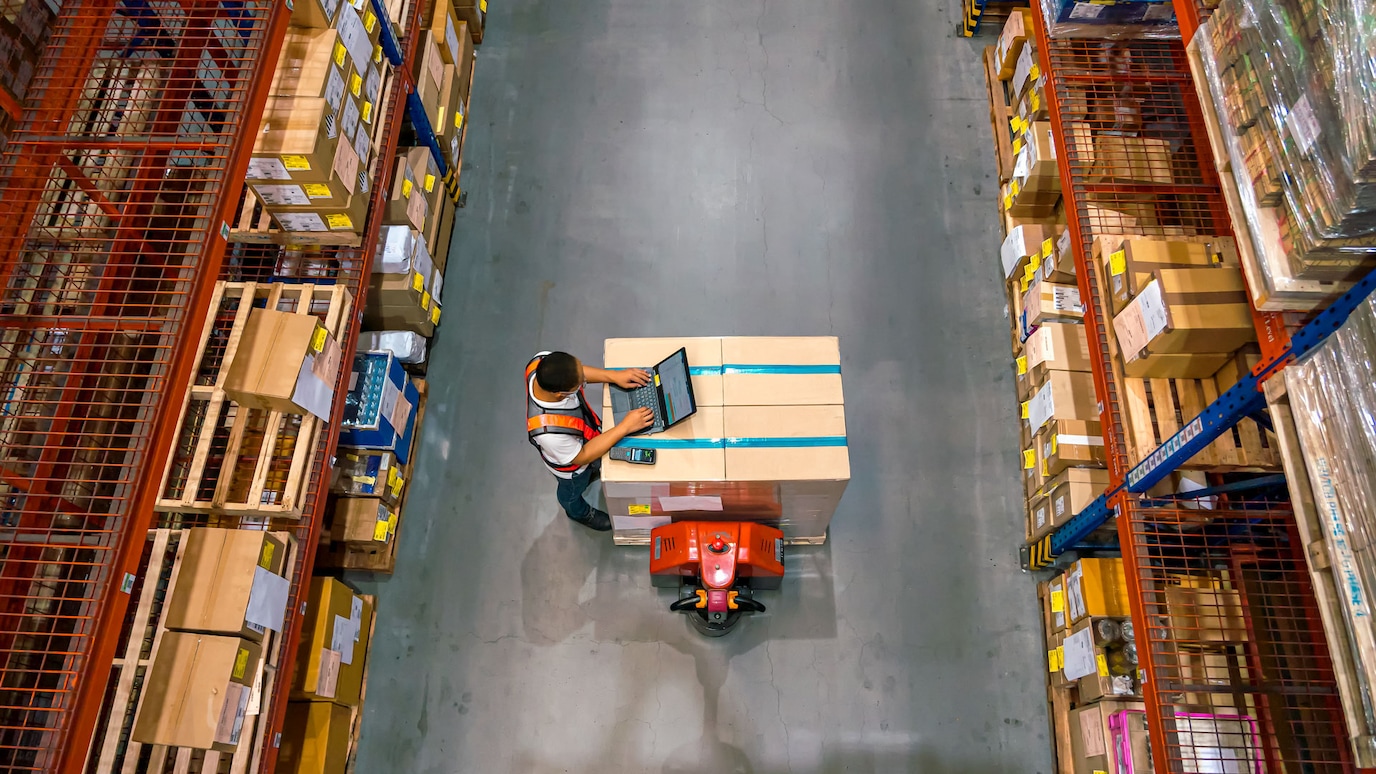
(350, 119)
(639, 522)
(451, 39)
(373, 85)
(1041, 516)
(1041, 407)
(346, 166)
(334, 88)
(255, 697)
(390, 395)
(231, 720)
(1066, 298)
(342, 639)
(1074, 594)
(1060, 507)
(400, 413)
(1010, 252)
(1079, 655)
(328, 684)
(329, 5)
(1303, 124)
(282, 195)
(362, 144)
(267, 169)
(354, 36)
(300, 221)
(1153, 306)
(1086, 11)
(1023, 166)
(356, 616)
(1160, 12)
(312, 394)
(1092, 734)
(1063, 243)
(1078, 440)
(267, 600)
(689, 503)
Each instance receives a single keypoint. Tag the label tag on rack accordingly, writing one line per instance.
(127, 585)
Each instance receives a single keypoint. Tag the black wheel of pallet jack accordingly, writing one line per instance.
(708, 629)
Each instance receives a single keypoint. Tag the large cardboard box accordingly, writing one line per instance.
(231, 583)
(704, 363)
(1187, 311)
(1095, 664)
(1092, 739)
(1096, 588)
(781, 370)
(1048, 302)
(1130, 265)
(1054, 346)
(1072, 490)
(1023, 242)
(334, 644)
(398, 302)
(1113, 158)
(1204, 611)
(197, 691)
(1035, 165)
(1063, 444)
(453, 108)
(315, 738)
(1064, 395)
(429, 75)
(1016, 31)
(363, 520)
(298, 141)
(406, 202)
(284, 362)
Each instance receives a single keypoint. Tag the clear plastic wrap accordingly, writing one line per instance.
(1111, 20)
(407, 346)
(1293, 84)
(1333, 399)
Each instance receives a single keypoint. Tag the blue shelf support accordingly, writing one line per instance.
(1241, 401)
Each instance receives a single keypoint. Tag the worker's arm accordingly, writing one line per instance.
(626, 378)
(637, 420)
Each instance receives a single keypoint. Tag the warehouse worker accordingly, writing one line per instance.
(567, 432)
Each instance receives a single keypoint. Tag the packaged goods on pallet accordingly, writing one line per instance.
(368, 473)
(230, 583)
(1294, 117)
(768, 440)
(1097, 743)
(1055, 346)
(1197, 317)
(1116, 20)
(1050, 302)
(334, 645)
(365, 520)
(404, 289)
(380, 407)
(407, 346)
(197, 691)
(315, 738)
(1100, 657)
(1064, 395)
(1016, 32)
(1130, 264)
(284, 362)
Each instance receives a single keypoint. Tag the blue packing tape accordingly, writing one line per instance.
(671, 443)
(734, 443)
(791, 370)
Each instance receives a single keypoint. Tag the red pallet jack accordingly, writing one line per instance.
(716, 567)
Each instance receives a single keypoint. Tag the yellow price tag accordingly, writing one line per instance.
(1017, 146)
(1048, 248)
(1102, 663)
(1046, 470)
(318, 191)
(265, 559)
(638, 510)
(1022, 364)
(1035, 72)
(458, 119)
(1029, 459)
(429, 183)
(1117, 263)
(482, 5)
(417, 281)
(406, 188)
(377, 53)
(1024, 408)
(339, 220)
(369, 21)
(318, 339)
(425, 300)
(1051, 660)
(339, 52)
(380, 531)
(1058, 601)
(240, 664)
(355, 84)
(1036, 101)
(435, 314)
(296, 163)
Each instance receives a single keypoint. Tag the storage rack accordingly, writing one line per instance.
(118, 187)
(1279, 667)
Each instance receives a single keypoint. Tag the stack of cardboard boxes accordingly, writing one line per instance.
(209, 661)
(311, 159)
(328, 680)
(768, 441)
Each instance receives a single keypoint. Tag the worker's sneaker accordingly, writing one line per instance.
(598, 520)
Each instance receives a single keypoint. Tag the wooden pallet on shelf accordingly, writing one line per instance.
(254, 225)
(1060, 699)
(1000, 112)
(231, 460)
(364, 557)
(111, 749)
(1328, 588)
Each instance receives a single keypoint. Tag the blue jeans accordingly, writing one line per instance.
(571, 491)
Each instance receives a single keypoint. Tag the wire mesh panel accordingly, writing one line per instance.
(1236, 671)
(113, 192)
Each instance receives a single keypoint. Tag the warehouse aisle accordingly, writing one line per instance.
(647, 168)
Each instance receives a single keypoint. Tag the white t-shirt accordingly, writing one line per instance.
(559, 448)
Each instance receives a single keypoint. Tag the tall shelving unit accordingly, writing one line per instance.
(1281, 668)
(119, 184)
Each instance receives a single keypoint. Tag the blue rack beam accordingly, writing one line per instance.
(1240, 401)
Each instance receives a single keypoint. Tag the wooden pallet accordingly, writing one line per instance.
(1060, 699)
(237, 461)
(356, 713)
(1309, 524)
(363, 557)
(1000, 111)
(111, 749)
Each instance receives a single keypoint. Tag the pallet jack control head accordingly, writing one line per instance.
(716, 566)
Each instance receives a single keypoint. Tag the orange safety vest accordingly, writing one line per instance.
(575, 421)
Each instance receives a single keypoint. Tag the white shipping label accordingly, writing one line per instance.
(1066, 298)
(1010, 252)
(639, 522)
(1041, 407)
(334, 88)
(451, 39)
(231, 721)
(1079, 655)
(1032, 156)
(328, 683)
(1303, 124)
(267, 600)
(391, 393)
(330, 6)
(342, 639)
(354, 36)
(1041, 516)
(1074, 593)
(1155, 319)
(1078, 440)
(362, 144)
(689, 503)
(373, 86)
(356, 616)
(1023, 166)
(349, 118)
(1063, 243)
(282, 195)
(255, 697)
(267, 169)
(400, 414)
(300, 221)
(1086, 11)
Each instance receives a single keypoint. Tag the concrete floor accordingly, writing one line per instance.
(654, 168)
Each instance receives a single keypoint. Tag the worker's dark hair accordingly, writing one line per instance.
(558, 372)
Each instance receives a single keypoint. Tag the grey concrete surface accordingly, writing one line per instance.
(643, 168)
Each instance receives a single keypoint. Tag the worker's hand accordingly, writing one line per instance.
(631, 378)
(637, 420)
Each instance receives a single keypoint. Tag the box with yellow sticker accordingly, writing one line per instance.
(221, 569)
(334, 644)
(407, 203)
(196, 692)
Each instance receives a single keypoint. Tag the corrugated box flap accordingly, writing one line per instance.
(786, 443)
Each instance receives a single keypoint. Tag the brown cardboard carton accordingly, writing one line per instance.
(363, 520)
(464, 76)
(1131, 265)
(1055, 346)
(1117, 159)
(221, 571)
(284, 362)
(1036, 163)
(449, 31)
(1056, 599)
(196, 692)
(1204, 611)
(1072, 490)
(453, 108)
(1038, 518)
(1036, 204)
(400, 302)
(1064, 395)
(1023, 242)
(428, 179)
(1096, 588)
(644, 496)
(315, 14)
(406, 202)
(1213, 679)
(471, 12)
(315, 738)
(315, 209)
(298, 141)
(1047, 302)
(1032, 480)
(1070, 443)
(429, 75)
(756, 370)
(703, 353)
(1026, 70)
(1090, 738)
(1016, 31)
(1187, 311)
(1095, 665)
(334, 644)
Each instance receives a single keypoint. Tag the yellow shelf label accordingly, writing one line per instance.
(1051, 661)
(1017, 146)
(1024, 409)
(318, 191)
(429, 183)
(425, 300)
(339, 52)
(369, 21)
(1029, 459)
(355, 84)
(1022, 364)
(367, 112)
(380, 531)
(639, 510)
(458, 119)
(377, 53)
(1102, 663)
(435, 314)
(1034, 262)
(406, 188)
(1048, 248)
(296, 163)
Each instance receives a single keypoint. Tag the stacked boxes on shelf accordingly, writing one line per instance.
(768, 440)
